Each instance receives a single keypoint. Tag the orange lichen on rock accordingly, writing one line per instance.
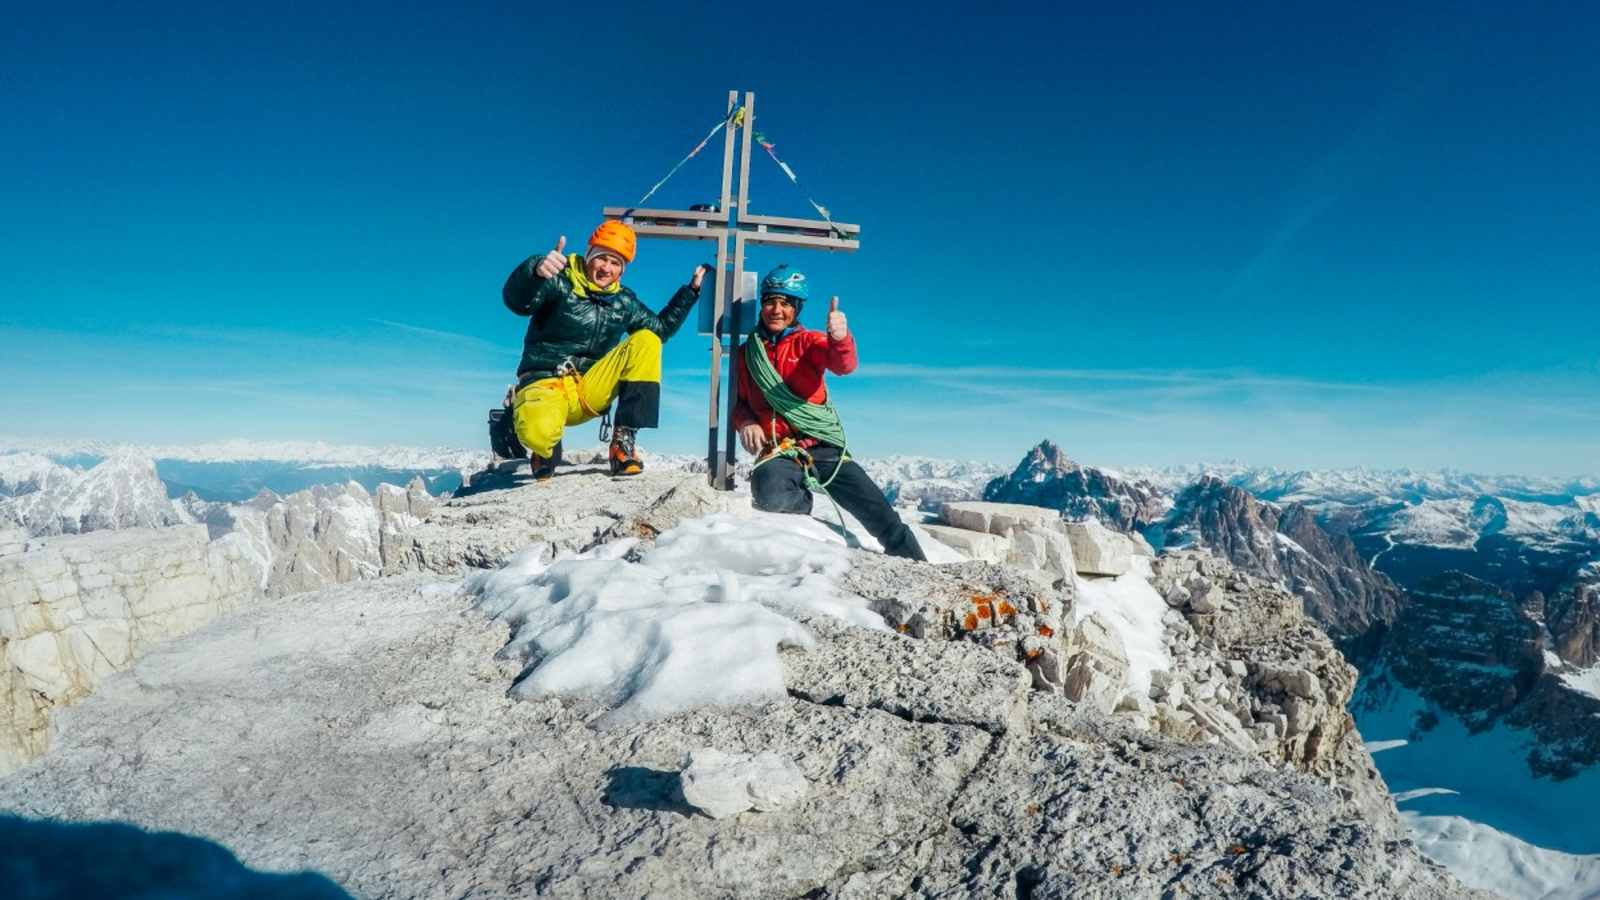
(985, 612)
(1238, 850)
(982, 599)
(1046, 631)
(1033, 654)
(1006, 609)
(970, 622)
(902, 628)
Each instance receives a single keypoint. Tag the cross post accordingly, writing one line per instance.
(732, 222)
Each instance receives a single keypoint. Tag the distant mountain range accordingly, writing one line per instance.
(235, 471)
(304, 453)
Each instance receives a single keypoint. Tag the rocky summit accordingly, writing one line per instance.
(1004, 734)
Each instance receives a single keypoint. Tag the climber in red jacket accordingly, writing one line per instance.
(784, 419)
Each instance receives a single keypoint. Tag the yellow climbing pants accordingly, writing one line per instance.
(543, 408)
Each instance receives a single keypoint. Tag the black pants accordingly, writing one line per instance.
(779, 485)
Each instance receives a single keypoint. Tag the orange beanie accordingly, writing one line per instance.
(616, 237)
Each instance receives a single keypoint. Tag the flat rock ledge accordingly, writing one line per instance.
(364, 731)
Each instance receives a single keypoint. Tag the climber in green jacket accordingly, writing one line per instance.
(589, 342)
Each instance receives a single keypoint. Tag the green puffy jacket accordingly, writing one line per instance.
(583, 329)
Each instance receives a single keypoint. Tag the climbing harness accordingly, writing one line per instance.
(788, 449)
(569, 369)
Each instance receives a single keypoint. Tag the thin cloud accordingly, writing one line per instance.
(1328, 181)
(1054, 400)
(1216, 380)
(442, 335)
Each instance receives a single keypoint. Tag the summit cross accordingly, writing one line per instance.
(731, 221)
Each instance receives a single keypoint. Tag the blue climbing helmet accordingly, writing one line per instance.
(789, 282)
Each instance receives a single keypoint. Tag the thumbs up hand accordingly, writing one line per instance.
(554, 261)
(838, 325)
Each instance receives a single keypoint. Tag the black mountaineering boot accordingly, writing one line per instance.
(624, 455)
(543, 468)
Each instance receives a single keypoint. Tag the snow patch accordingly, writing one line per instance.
(697, 621)
(1419, 793)
(1584, 681)
(1134, 611)
(1491, 860)
(1291, 543)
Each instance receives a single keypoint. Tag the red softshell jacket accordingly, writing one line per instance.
(801, 358)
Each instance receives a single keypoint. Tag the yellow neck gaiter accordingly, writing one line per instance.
(578, 276)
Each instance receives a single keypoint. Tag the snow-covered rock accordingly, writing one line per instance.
(27, 473)
(1491, 860)
(933, 768)
(123, 491)
(698, 620)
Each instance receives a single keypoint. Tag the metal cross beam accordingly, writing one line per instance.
(732, 221)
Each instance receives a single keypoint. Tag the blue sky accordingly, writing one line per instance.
(1302, 235)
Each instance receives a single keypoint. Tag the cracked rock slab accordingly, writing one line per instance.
(365, 732)
(921, 681)
(578, 508)
(1087, 808)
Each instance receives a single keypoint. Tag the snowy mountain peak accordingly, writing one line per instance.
(24, 473)
(123, 491)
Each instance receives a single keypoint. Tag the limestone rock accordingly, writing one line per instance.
(996, 518)
(978, 545)
(1269, 670)
(1016, 613)
(578, 508)
(1141, 547)
(12, 541)
(954, 681)
(1097, 550)
(1097, 671)
(1045, 549)
(723, 784)
(85, 606)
